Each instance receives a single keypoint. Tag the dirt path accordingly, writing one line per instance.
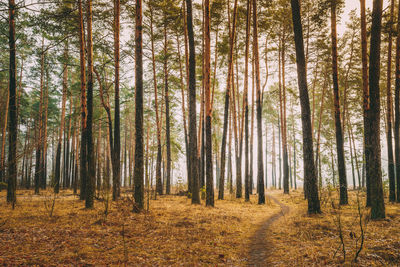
(259, 245)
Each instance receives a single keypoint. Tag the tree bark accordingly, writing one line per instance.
(366, 106)
(227, 97)
(372, 146)
(308, 156)
(246, 105)
(13, 120)
(167, 115)
(159, 188)
(91, 167)
(338, 121)
(260, 168)
(208, 126)
(83, 157)
(392, 178)
(397, 110)
(139, 147)
(116, 151)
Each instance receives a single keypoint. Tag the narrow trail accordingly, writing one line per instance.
(259, 248)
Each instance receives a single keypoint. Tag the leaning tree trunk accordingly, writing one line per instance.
(372, 147)
(338, 121)
(308, 156)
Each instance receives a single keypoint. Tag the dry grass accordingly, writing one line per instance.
(302, 240)
(173, 232)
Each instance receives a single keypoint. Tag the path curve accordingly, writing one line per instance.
(259, 244)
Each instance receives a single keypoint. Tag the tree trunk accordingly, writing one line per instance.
(192, 107)
(282, 95)
(366, 105)
(167, 116)
(338, 121)
(3, 140)
(260, 168)
(116, 148)
(39, 124)
(159, 188)
(308, 156)
(90, 182)
(392, 178)
(246, 106)
(397, 109)
(83, 142)
(13, 120)
(208, 126)
(227, 97)
(139, 147)
(372, 146)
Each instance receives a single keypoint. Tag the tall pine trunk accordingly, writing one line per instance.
(372, 146)
(260, 167)
(246, 106)
(338, 121)
(13, 120)
(139, 146)
(392, 182)
(397, 110)
(208, 124)
(82, 158)
(91, 167)
(116, 151)
(192, 107)
(308, 156)
(167, 115)
(227, 97)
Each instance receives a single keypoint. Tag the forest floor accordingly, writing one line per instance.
(302, 240)
(174, 232)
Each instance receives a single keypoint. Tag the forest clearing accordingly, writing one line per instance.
(200, 132)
